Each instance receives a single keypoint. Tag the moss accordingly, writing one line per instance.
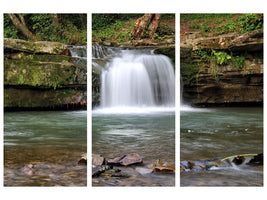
(189, 72)
(27, 98)
(168, 51)
(45, 74)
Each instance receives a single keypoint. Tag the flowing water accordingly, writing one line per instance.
(136, 114)
(43, 148)
(216, 133)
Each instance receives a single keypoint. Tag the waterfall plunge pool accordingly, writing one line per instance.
(136, 114)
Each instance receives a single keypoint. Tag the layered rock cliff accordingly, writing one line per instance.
(222, 70)
(42, 76)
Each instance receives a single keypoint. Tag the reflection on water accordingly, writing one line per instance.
(53, 141)
(151, 135)
(219, 133)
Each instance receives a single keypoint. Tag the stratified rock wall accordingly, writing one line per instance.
(41, 75)
(231, 84)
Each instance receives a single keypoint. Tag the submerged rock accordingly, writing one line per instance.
(100, 169)
(83, 160)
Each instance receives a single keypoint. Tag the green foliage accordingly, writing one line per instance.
(118, 30)
(10, 31)
(239, 62)
(194, 25)
(164, 30)
(205, 28)
(203, 16)
(117, 27)
(250, 22)
(70, 31)
(227, 27)
(223, 23)
(21, 80)
(221, 57)
(100, 21)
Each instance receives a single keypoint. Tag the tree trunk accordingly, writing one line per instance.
(83, 18)
(148, 22)
(154, 25)
(55, 19)
(21, 25)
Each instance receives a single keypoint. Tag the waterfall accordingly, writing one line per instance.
(78, 51)
(101, 51)
(136, 80)
(79, 54)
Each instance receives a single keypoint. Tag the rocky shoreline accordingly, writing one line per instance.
(127, 166)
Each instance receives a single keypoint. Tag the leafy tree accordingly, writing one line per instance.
(65, 28)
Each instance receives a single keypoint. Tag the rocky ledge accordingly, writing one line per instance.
(222, 70)
(42, 75)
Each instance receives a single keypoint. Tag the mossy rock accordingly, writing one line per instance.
(39, 47)
(42, 74)
(167, 51)
(42, 98)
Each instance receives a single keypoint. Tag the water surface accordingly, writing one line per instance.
(149, 134)
(51, 141)
(208, 134)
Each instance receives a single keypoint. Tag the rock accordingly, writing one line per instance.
(163, 166)
(41, 177)
(83, 160)
(116, 161)
(114, 173)
(238, 160)
(252, 41)
(131, 159)
(42, 79)
(233, 83)
(167, 51)
(39, 47)
(100, 169)
(126, 160)
(256, 160)
(97, 160)
(142, 170)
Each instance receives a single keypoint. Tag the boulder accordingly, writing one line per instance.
(115, 161)
(97, 160)
(131, 159)
(39, 47)
(252, 41)
(126, 160)
(163, 166)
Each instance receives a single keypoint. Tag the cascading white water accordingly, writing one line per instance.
(138, 81)
(79, 54)
(78, 51)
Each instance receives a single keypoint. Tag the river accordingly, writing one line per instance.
(216, 133)
(43, 148)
